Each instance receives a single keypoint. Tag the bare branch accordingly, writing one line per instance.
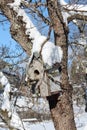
(76, 43)
(33, 7)
(48, 37)
(77, 16)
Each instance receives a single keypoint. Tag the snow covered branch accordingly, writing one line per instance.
(50, 52)
(73, 11)
(7, 111)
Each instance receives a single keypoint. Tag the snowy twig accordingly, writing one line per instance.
(73, 11)
(48, 37)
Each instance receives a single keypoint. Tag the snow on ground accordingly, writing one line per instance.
(45, 125)
(79, 113)
(80, 117)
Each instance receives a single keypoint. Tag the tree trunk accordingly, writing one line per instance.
(61, 107)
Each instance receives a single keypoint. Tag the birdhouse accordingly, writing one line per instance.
(37, 75)
(35, 70)
(45, 86)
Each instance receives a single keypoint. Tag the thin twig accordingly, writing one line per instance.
(48, 37)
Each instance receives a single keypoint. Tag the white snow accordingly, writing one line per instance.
(45, 125)
(3, 79)
(50, 53)
(72, 7)
(69, 10)
(16, 121)
(85, 128)
(15, 4)
(23, 102)
(80, 117)
(7, 106)
(6, 102)
(6, 96)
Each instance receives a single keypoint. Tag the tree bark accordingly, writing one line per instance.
(62, 112)
(17, 28)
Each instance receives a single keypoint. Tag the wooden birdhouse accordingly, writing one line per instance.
(45, 86)
(37, 75)
(35, 70)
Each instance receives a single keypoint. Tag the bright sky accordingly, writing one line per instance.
(6, 40)
(5, 37)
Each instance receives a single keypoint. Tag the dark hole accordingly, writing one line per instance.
(36, 72)
(86, 108)
(53, 99)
